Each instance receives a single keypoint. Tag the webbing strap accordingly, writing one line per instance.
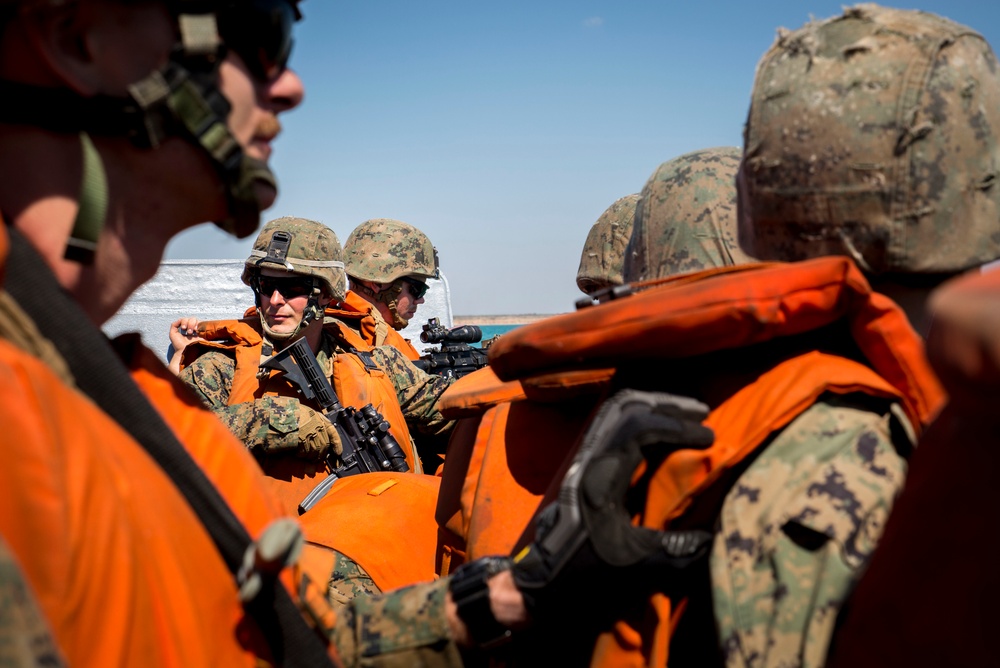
(93, 203)
(366, 359)
(102, 376)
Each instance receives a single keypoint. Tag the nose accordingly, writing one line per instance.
(285, 92)
(276, 297)
(419, 301)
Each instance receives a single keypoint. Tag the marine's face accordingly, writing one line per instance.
(283, 299)
(407, 301)
(255, 108)
(127, 41)
(258, 83)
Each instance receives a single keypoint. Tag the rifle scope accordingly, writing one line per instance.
(435, 333)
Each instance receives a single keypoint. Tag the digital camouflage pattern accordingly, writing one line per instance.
(875, 135)
(604, 251)
(796, 531)
(314, 251)
(348, 581)
(382, 250)
(25, 638)
(686, 217)
(404, 628)
(269, 425)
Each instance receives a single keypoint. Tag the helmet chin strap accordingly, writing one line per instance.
(388, 296)
(182, 99)
(92, 206)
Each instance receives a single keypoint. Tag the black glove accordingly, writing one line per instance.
(586, 550)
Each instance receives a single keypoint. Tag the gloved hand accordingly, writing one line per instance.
(585, 542)
(317, 435)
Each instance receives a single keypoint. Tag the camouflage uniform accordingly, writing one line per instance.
(685, 219)
(604, 250)
(404, 628)
(25, 639)
(871, 135)
(270, 424)
(413, 618)
(348, 581)
(796, 531)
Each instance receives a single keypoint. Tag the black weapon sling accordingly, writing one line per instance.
(101, 375)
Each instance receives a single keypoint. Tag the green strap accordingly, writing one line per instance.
(93, 201)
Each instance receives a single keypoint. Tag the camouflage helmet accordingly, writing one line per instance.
(381, 250)
(311, 249)
(875, 135)
(686, 217)
(604, 250)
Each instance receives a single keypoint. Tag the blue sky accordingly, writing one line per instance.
(504, 129)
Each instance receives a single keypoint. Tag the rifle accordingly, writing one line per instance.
(364, 434)
(454, 357)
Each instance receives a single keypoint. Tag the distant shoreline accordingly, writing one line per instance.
(516, 319)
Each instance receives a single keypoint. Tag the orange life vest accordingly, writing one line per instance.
(370, 325)
(384, 522)
(697, 314)
(355, 381)
(124, 570)
(492, 484)
(233, 470)
(122, 567)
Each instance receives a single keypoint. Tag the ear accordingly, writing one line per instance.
(62, 36)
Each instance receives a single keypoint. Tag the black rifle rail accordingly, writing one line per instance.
(454, 357)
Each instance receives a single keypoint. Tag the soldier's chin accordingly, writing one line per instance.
(265, 193)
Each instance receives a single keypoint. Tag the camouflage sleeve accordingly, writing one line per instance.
(797, 530)
(417, 391)
(211, 377)
(267, 425)
(403, 628)
(348, 581)
(25, 639)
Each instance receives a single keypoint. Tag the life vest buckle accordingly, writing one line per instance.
(280, 545)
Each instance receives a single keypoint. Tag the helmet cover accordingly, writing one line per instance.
(313, 250)
(382, 250)
(875, 135)
(686, 217)
(604, 250)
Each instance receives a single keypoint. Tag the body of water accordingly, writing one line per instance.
(490, 331)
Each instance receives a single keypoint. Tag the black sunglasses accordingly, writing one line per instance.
(417, 288)
(287, 287)
(260, 31)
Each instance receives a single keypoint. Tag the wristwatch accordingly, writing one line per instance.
(471, 593)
